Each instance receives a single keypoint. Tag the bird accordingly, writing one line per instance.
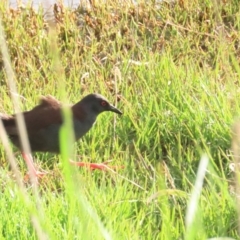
(44, 121)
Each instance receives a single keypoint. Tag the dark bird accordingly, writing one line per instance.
(44, 121)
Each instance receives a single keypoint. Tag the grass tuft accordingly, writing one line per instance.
(172, 67)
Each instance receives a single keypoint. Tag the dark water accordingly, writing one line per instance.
(44, 3)
(47, 5)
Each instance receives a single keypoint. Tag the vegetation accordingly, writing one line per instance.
(173, 69)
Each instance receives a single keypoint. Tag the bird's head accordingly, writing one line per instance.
(97, 104)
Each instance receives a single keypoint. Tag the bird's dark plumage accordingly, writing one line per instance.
(43, 122)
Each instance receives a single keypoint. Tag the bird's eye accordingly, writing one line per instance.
(104, 103)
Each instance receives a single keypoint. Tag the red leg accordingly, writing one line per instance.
(93, 166)
(33, 171)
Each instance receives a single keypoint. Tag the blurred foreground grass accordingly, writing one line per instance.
(174, 70)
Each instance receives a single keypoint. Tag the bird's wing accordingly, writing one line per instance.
(47, 113)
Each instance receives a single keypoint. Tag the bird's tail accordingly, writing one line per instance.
(4, 116)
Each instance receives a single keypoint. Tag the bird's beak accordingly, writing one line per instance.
(113, 109)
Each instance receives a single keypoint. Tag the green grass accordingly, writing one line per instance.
(175, 71)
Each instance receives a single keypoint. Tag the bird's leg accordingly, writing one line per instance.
(94, 166)
(33, 171)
